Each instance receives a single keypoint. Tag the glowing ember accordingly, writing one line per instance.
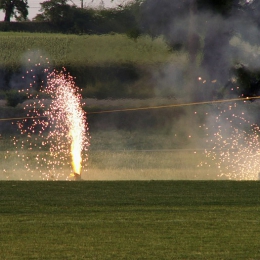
(58, 128)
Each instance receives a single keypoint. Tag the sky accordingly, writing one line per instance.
(34, 5)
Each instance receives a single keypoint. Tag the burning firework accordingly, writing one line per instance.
(58, 127)
(67, 117)
(77, 177)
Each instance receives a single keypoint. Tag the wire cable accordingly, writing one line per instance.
(175, 105)
(146, 108)
(19, 118)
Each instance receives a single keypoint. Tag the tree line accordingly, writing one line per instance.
(60, 16)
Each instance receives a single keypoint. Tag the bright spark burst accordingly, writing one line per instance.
(234, 142)
(57, 130)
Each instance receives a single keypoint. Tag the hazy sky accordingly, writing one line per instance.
(34, 5)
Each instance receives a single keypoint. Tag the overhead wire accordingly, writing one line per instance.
(147, 107)
(175, 105)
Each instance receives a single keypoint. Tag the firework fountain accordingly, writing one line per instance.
(232, 137)
(67, 117)
(56, 126)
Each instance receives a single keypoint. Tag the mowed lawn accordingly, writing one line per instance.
(130, 220)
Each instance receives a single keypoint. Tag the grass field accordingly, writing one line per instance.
(130, 220)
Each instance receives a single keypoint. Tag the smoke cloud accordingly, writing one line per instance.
(218, 42)
(221, 51)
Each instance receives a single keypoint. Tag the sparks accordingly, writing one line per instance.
(234, 144)
(58, 128)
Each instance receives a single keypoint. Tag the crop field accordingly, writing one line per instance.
(63, 50)
(102, 65)
(130, 220)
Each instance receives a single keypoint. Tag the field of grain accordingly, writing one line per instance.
(104, 66)
(85, 50)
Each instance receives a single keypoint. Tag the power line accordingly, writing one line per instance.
(146, 108)
(19, 118)
(176, 105)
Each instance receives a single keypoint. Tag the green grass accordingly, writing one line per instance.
(130, 220)
(84, 50)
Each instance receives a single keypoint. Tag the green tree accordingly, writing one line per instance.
(67, 18)
(14, 8)
(55, 11)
